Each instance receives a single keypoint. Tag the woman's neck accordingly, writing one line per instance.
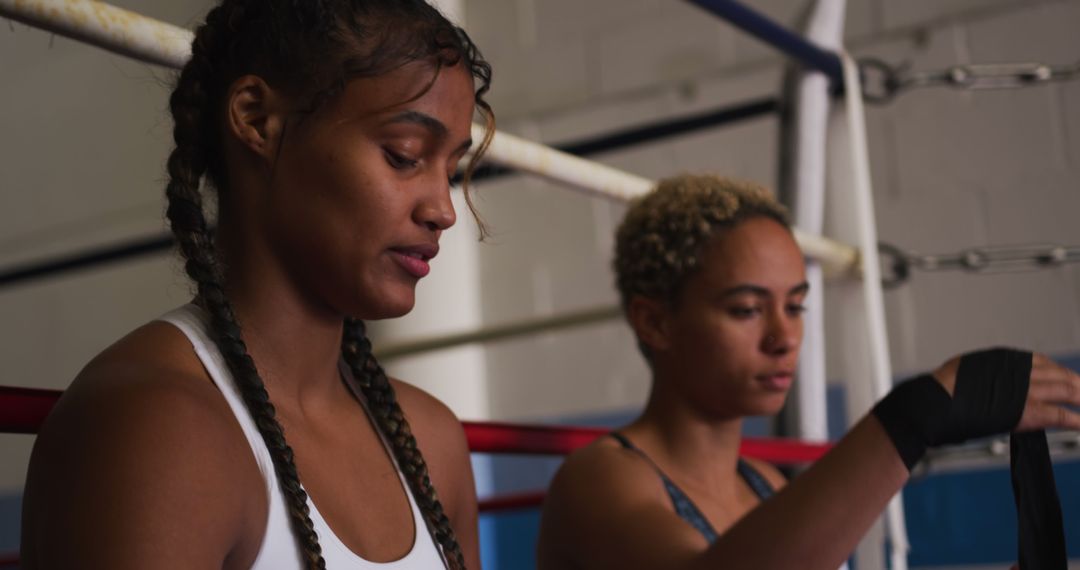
(682, 437)
(296, 344)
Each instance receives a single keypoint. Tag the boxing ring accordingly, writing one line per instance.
(848, 259)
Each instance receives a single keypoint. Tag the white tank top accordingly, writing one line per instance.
(279, 550)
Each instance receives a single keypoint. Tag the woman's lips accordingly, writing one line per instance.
(778, 381)
(414, 260)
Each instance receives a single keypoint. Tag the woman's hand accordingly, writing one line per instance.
(1053, 387)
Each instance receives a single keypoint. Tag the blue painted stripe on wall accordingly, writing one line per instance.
(10, 515)
(970, 518)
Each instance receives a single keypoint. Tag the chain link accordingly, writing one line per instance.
(898, 264)
(882, 82)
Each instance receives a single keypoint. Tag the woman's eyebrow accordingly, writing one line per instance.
(758, 290)
(430, 123)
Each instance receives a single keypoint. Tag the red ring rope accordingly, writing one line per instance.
(22, 410)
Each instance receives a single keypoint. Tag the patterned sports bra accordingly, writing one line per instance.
(684, 507)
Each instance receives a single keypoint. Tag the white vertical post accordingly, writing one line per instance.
(860, 304)
(448, 300)
(805, 192)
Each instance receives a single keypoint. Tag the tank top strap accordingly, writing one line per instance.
(279, 549)
(757, 482)
(684, 507)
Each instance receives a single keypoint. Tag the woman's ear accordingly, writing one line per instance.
(649, 319)
(255, 115)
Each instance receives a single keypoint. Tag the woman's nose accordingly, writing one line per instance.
(436, 210)
(782, 334)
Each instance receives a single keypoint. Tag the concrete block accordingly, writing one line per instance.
(600, 118)
(748, 150)
(1069, 98)
(942, 224)
(940, 315)
(956, 140)
(109, 134)
(1041, 208)
(572, 372)
(960, 312)
(1043, 33)
(543, 256)
(923, 12)
(526, 80)
(54, 327)
(860, 20)
(1073, 274)
(557, 19)
(678, 43)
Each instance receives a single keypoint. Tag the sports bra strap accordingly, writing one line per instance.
(684, 507)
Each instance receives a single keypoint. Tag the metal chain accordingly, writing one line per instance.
(882, 82)
(898, 264)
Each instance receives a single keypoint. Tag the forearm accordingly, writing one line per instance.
(817, 519)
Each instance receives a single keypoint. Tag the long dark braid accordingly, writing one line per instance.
(382, 401)
(186, 166)
(275, 40)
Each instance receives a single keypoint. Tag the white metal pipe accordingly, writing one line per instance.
(105, 26)
(146, 39)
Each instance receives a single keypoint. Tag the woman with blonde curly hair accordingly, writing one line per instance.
(712, 284)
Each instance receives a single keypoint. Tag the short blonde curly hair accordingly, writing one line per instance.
(660, 241)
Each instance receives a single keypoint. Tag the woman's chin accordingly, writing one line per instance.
(387, 307)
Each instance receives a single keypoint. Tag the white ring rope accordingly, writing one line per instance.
(146, 39)
(874, 304)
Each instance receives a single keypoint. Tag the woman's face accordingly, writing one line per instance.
(736, 328)
(360, 192)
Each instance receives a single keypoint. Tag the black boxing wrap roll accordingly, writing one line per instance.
(990, 393)
(1038, 508)
(989, 397)
(914, 414)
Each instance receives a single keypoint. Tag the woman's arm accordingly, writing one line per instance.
(596, 516)
(138, 471)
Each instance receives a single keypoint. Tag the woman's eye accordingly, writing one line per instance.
(743, 312)
(796, 309)
(399, 161)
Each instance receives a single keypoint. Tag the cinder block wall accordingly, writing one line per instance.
(952, 170)
(84, 135)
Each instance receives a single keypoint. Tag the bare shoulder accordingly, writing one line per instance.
(150, 375)
(601, 495)
(432, 421)
(769, 471)
(441, 439)
(603, 471)
(139, 435)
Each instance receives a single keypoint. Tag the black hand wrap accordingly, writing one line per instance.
(989, 398)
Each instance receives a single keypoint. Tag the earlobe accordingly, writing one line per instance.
(254, 115)
(649, 319)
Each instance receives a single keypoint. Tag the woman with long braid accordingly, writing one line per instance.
(253, 428)
(712, 284)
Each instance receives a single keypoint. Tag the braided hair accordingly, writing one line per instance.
(313, 47)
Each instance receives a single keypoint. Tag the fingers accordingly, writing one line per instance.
(1039, 415)
(1065, 390)
(1052, 388)
(1053, 383)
